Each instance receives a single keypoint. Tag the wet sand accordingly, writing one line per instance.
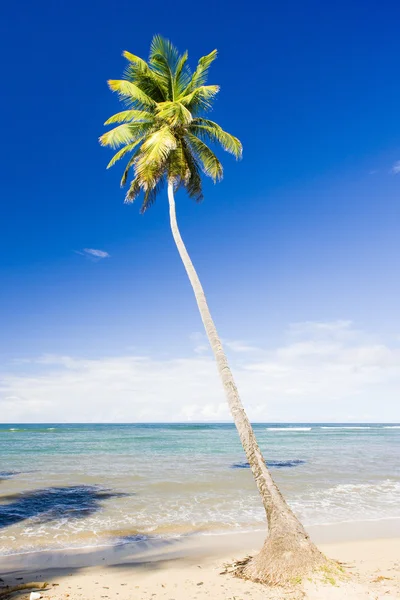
(191, 567)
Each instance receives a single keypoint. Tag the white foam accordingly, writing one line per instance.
(392, 427)
(347, 427)
(289, 428)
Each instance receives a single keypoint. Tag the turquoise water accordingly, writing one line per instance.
(79, 485)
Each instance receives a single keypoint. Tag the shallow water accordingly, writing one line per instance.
(79, 485)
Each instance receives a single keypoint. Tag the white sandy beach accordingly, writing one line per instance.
(192, 568)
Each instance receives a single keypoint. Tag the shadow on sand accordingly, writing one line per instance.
(125, 553)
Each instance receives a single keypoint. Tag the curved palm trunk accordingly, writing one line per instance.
(288, 553)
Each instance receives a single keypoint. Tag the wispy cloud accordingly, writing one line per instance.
(93, 253)
(201, 344)
(396, 168)
(240, 346)
(323, 372)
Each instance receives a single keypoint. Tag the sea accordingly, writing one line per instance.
(86, 485)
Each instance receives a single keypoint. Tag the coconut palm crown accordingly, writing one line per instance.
(162, 130)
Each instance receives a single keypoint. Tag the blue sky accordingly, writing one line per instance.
(304, 230)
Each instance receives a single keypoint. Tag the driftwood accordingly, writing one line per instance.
(32, 585)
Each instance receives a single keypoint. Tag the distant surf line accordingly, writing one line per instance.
(289, 428)
(348, 427)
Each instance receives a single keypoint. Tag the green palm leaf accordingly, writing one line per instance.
(124, 134)
(210, 164)
(164, 59)
(193, 185)
(200, 99)
(174, 113)
(151, 161)
(121, 153)
(129, 115)
(164, 132)
(133, 192)
(158, 145)
(201, 73)
(182, 75)
(139, 73)
(130, 164)
(131, 93)
(151, 194)
(210, 131)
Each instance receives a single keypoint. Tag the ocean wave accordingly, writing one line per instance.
(289, 428)
(28, 429)
(130, 518)
(8, 474)
(348, 427)
(392, 427)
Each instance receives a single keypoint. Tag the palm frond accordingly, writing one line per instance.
(210, 131)
(200, 98)
(182, 75)
(193, 184)
(124, 134)
(133, 192)
(121, 153)
(130, 164)
(151, 194)
(139, 73)
(210, 164)
(200, 75)
(130, 115)
(178, 170)
(136, 60)
(161, 47)
(174, 113)
(163, 59)
(130, 93)
(164, 134)
(159, 144)
(153, 156)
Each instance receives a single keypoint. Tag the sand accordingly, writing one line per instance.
(187, 569)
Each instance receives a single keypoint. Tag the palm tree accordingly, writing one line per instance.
(165, 134)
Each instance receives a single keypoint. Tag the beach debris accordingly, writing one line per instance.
(35, 596)
(234, 565)
(35, 585)
(381, 578)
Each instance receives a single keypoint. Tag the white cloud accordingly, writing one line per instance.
(396, 168)
(240, 346)
(323, 372)
(92, 252)
(200, 343)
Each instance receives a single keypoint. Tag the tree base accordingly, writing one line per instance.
(284, 562)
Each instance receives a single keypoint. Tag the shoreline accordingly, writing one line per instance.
(194, 545)
(185, 571)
